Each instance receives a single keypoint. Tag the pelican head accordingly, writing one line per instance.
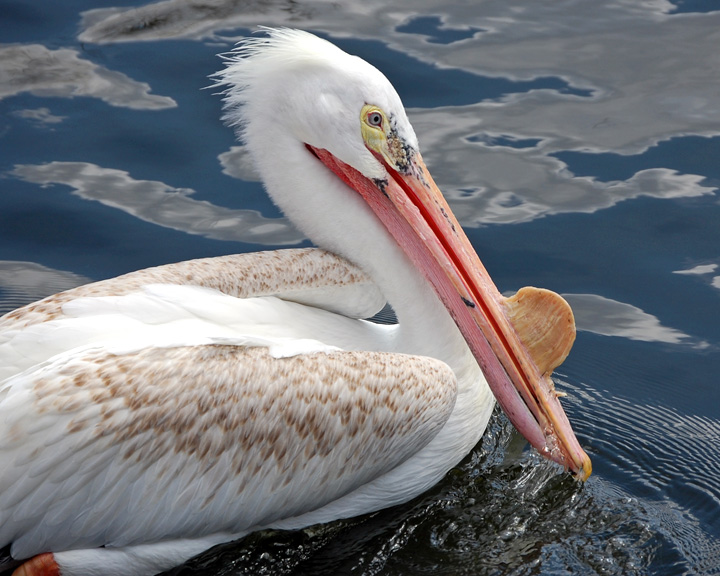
(334, 120)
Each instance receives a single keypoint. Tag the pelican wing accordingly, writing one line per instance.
(161, 443)
(38, 331)
(308, 276)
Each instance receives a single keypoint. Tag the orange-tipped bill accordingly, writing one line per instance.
(517, 341)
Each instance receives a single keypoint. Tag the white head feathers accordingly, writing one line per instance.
(310, 87)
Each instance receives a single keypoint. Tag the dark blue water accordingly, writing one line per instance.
(579, 145)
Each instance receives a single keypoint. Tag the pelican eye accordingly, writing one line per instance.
(375, 119)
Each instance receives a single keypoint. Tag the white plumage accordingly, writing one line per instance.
(171, 409)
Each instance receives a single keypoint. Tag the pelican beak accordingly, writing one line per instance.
(517, 341)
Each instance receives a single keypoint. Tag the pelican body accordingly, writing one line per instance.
(146, 418)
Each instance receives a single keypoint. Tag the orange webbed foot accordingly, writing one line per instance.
(40, 565)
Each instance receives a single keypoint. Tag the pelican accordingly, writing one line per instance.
(146, 418)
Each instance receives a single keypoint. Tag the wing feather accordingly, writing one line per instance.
(185, 442)
(171, 315)
(309, 276)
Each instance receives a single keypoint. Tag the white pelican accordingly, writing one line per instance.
(146, 418)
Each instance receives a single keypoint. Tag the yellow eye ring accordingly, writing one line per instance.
(373, 126)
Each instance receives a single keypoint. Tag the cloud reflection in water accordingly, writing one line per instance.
(156, 202)
(63, 74)
(600, 315)
(25, 282)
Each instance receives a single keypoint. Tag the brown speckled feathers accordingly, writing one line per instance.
(308, 275)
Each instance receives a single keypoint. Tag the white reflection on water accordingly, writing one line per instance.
(646, 71)
(703, 270)
(237, 163)
(190, 19)
(25, 282)
(63, 73)
(600, 315)
(160, 204)
(506, 185)
(700, 269)
(499, 184)
(640, 96)
(39, 115)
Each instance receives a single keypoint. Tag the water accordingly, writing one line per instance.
(576, 141)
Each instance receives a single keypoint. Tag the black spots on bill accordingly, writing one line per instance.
(445, 215)
(382, 184)
(468, 303)
(399, 149)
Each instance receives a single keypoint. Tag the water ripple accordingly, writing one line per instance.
(662, 457)
(25, 282)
